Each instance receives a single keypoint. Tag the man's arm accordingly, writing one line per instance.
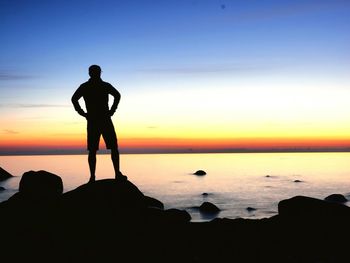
(116, 95)
(75, 100)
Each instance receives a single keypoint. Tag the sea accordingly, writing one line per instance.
(241, 185)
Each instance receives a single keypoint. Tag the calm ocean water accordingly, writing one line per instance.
(233, 181)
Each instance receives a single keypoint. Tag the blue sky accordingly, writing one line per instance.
(44, 39)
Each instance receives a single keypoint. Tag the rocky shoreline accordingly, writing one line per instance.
(113, 221)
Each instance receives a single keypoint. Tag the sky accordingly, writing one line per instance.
(193, 75)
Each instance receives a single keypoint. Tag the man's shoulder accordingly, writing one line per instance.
(86, 83)
(107, 84)
(101, 83)
(82, 88)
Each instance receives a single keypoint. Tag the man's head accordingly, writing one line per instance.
(95, 71)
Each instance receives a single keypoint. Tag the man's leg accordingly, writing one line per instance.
(110, 139)
(92, 164)
(115, 161)
(116, 165)
(93, 140)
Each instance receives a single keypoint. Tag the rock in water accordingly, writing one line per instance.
(4, 174)
(200, 172)
(208, 207)
(297, 181)
(336, 198)
(303, 206)
(250, 209)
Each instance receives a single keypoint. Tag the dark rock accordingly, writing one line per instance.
(152, 202)
(271, 176)
(106, 194)
(302, 206)
(111, 219)
(208, 207)
(336, 198)
(4, 174)
(2, 188)
(250, 209)
(200, 172)
(154, 216)
(87, 223)
(40, 184)
(205, 194)
(298, 181)
(177, 215)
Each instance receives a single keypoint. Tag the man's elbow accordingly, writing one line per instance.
(74, 100)
(75, 103)
(118, 95)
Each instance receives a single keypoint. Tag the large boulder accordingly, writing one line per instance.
(36, 188)
(313, 228)
(40, 184)
(105, 196)
(4, 174)
(38, 193)
(303, 206)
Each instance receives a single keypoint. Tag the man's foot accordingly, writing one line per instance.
(92, 179)
(121, 177)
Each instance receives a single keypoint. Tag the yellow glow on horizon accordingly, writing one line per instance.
(232, 112)
(226, 116)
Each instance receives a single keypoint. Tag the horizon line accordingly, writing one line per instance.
(179, 151)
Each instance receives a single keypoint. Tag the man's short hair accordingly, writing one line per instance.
(94, 69)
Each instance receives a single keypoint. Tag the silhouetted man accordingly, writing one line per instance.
(95, 93)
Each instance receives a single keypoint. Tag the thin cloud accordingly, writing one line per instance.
(5, 76)
(7, 131)
(33, 105)
(66, 134)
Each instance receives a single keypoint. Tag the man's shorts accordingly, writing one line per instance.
(98, 127)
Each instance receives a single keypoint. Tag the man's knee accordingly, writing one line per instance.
(92, 153)
(114, 153)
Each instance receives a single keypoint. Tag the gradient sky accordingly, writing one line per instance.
(193, 74)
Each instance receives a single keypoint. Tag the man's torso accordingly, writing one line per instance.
(95, 94)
